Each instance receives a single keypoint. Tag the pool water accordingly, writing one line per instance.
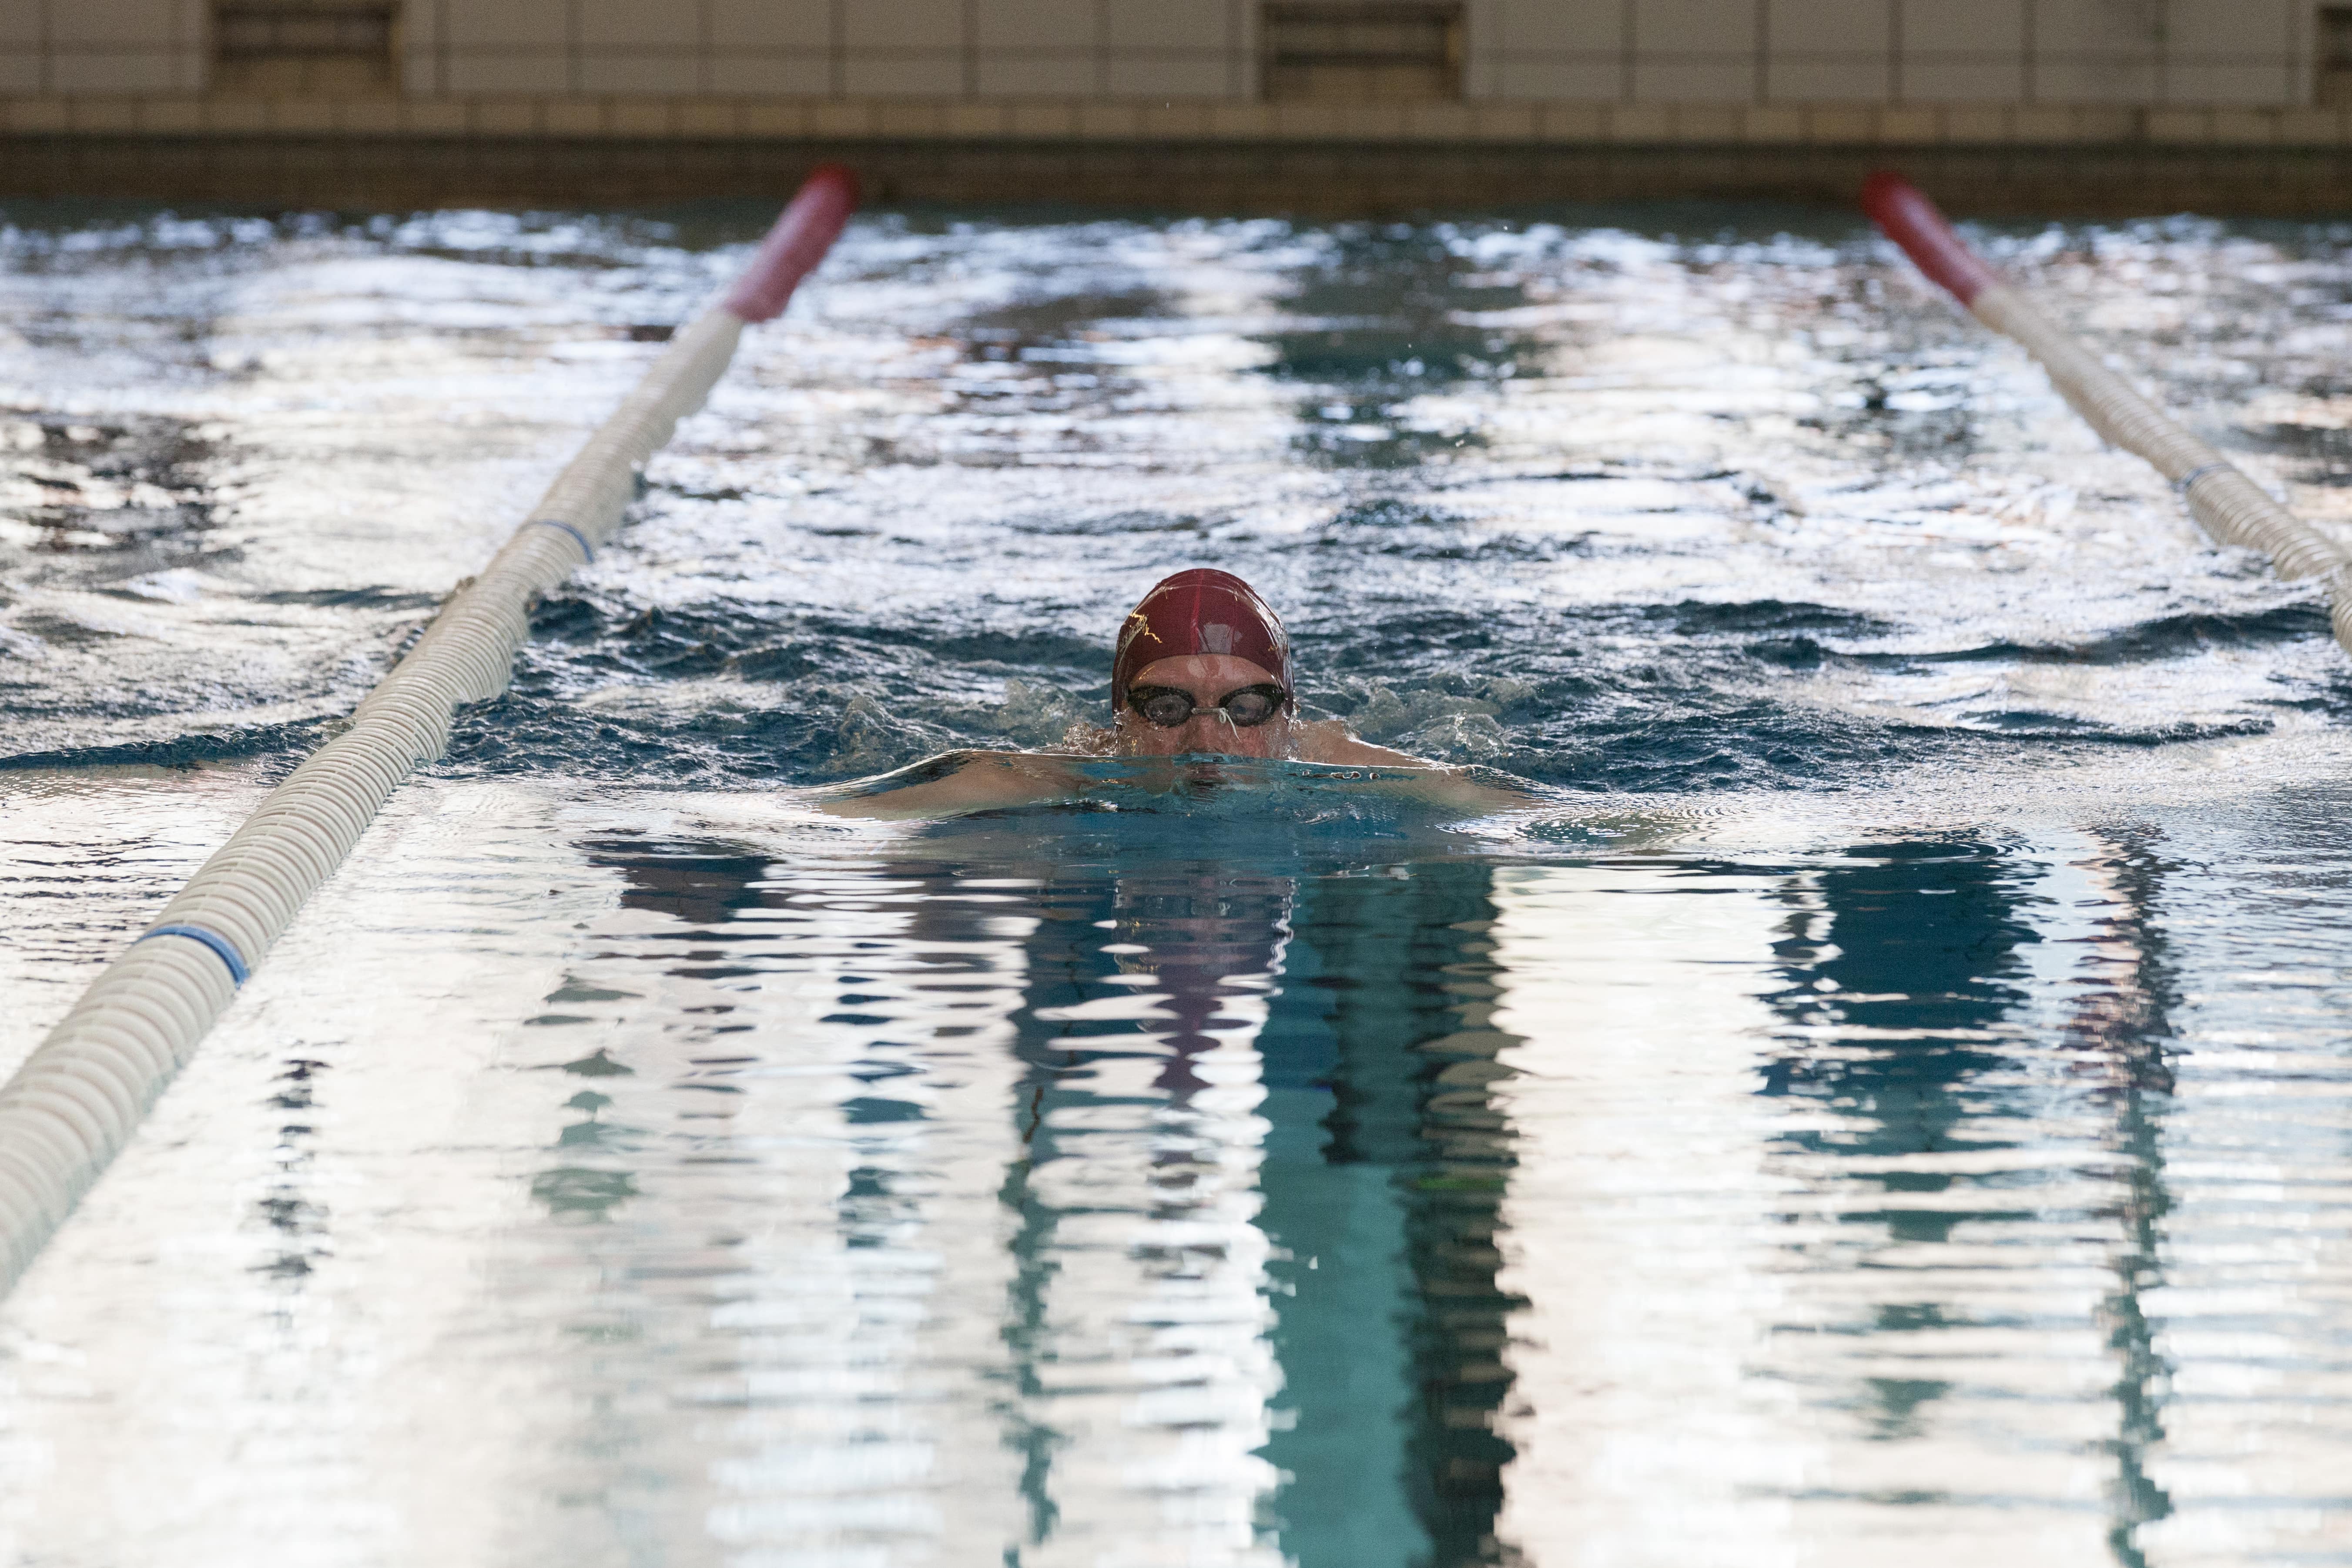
(1888, 1098)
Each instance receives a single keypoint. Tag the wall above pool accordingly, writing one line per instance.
(1329, 106)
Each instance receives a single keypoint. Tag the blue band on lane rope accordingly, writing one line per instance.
(2195, 474)
(578, 538)
(222, 949)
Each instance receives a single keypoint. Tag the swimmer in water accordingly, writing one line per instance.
(1203, 669)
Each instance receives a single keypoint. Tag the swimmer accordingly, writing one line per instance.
(1203, 669)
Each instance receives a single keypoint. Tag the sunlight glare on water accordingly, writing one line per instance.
(1888, 1099)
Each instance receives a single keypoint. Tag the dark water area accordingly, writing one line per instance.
(1885, 1096)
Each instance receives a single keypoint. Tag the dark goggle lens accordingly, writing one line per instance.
(1248, 708)
(1252, 707)
(1166, 709)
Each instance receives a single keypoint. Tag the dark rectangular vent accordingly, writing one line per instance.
(288, 50)
(1362, 51)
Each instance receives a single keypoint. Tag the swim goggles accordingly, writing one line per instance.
(1167, 706)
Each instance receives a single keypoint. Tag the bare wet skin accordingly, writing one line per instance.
(1867, 1081)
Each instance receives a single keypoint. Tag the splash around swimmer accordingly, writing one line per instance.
(1203, 671)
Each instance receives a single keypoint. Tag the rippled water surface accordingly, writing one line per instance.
(1890, 1099)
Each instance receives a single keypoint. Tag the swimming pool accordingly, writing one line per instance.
(1892, 1099)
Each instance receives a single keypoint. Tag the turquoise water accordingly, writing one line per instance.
(1887, 1097)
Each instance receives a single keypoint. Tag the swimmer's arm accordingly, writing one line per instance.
(990, 782)
(1328, 741)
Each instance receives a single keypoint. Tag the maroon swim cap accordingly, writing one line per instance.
(1200, 611)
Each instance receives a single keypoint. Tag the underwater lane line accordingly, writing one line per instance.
(74, 1103)
(2232, 507)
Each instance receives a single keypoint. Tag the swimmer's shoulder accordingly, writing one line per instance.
(1330, 740)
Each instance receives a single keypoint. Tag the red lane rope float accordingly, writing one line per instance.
(73, 1104)
(2230, 507)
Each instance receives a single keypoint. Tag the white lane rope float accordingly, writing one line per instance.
(73, 1104)
(2230, 507)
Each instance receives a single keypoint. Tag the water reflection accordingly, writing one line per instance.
(1909, 968)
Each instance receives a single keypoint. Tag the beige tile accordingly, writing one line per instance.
(2244, 127)
(1831, 27)
(1558, 26)
(1575, 122)
(1304, 121)
(106, 112)
(302, 115)
(110, 71)
(476, 71)
(420, 26)
(1241, 120)
(1842, 126)
(123, 24)
(510, 24)
(1183, 119)
(2273, 85)
(2231, 27)
(1562, 77)
(1729, 79)
(1109, 120)
(910, 117)
(771, 75)
(20, 25)
(904, 74)
(2095, 124)
(2097, 26)
(1434, 122)
(1640, 123)
(1977, 125)
(1507, 122)
(641, 117)
(573, 116)
(840, 117)
(505, 116)
(903, 24)
(1989, 28)
(236, 114)
(1828, 79)
(2093, 79)
(1065, 73)
(2035, 124)
(2190, 127)
(1169, 25)
(368, 116)
(968, 119)
(38, 114)
(798, 25)
(1693, 26)
(1710, 123)
(184, 116)
(1904, 127)
(633, 21)
(771, 120)
(2309, 127)
(1162, 76)
(1046, 118)
(420, 73)
(1947, 79)
(20, 71)
(1033, 24)
(445, 117)
(1773, 123)
(666, 71)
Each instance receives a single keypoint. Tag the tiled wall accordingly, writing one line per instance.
(2254, 52)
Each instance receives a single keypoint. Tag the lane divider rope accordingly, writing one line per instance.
(73, 1104)
(224, 949)
(2232, 507)
(587, 551)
